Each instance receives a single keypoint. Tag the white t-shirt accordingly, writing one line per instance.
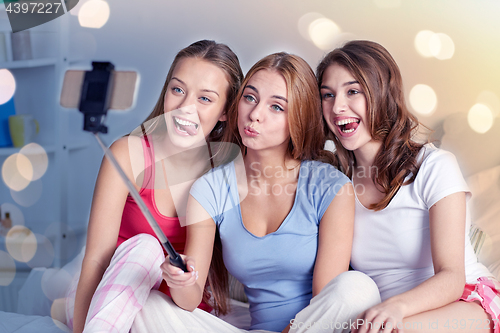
(392, 245)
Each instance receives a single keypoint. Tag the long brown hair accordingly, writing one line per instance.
(307, 134)
(389, 119)
(221, 56)
(224, 58)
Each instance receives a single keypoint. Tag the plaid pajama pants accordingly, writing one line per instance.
(334, 310)
(133, 272)
(487, 292)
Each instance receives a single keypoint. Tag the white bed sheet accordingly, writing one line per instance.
(18, 323)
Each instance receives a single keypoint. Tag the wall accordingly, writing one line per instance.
(147, 37)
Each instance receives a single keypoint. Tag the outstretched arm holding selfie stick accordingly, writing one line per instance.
(124, 253)
(94, 105)
(174, 257)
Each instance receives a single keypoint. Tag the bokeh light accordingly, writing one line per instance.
(52, 280)
(17, 172)
(21, 243)
(29, 195)
(324, 33)
(423, 99)
(58, 313)
(388, 3)
(38, 158)
(44, 256)
(16, 215)
(491, 100)
(7, 86)
(441, 46)
(304, 23)
(422, 43)
(93, 14)
(480, 118)
(7, 269)
(69, 241)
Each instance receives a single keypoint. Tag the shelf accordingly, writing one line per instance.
(28, 63)
(73, 145)
(7, 151)
(73, 61)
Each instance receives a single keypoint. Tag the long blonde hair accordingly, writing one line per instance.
(224, 58)
(216, 53)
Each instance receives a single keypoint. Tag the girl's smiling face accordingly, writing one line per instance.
(194, 101)
(345, 107)
(263, 112)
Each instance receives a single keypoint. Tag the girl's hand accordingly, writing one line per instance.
(176, 277)
(386, 315)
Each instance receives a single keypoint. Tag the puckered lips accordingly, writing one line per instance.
(346, 126)
(185, 127)
(251, 132)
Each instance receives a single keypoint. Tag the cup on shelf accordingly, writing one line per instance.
(6, 110)
(21, 45)
(23, 129)
(3, 47)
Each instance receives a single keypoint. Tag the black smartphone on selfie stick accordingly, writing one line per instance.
(93, 93)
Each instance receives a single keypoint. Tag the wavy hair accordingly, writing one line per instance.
(224, 58)
(389, 120)
(307, 134)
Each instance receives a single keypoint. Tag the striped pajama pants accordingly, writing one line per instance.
(133, 272)
(333, 310)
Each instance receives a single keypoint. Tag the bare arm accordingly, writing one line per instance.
(335, 239)
(447, 227)
(187, 289)
(105, 217)
(335, 234)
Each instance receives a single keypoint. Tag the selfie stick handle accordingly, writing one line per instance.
(174, 257)
(94, 103)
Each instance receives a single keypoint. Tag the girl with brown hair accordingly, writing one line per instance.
(410, 222)
(163, 157)
(284, 216)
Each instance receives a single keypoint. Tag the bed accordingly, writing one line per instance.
(479, 158)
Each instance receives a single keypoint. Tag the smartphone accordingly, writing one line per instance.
(123, 89)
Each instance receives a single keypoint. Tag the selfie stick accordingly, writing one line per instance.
(94, 104)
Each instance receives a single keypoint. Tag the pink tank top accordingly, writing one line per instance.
(134, 223)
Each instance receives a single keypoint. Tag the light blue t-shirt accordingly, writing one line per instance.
(276, 269)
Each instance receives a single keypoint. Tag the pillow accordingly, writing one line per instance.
(239, 315)
(495, 269)
(19, 323)
(485, 213)
(236, 290)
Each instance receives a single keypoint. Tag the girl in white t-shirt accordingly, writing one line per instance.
(410, 218)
